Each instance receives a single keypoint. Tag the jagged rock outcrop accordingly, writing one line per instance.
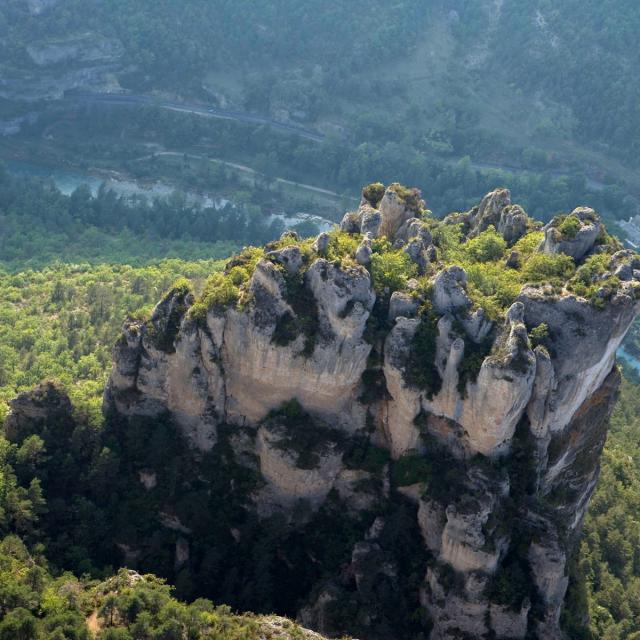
(574, 235)
(390, 213)
(496, 211)
(467, 425)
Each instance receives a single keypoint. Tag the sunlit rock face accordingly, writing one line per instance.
(486, 427)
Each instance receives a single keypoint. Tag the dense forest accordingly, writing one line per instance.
(607, 569)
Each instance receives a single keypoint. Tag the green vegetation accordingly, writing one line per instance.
(474, 356)
(569, 227)
(491, 285)
(455, 113)
(553, 269)
(436, 92)
(411, 468)
(487, 247)
(42, 226)
(222, 290)
(305, 320)
(373, 193)
(365, 456)
(421, 370)
(163, 330)
(511, 585)
(590, 283)
(307, 437)
(494, 287)
(62, 322)
(412, 198)
(37, 605)
(539, 336)
(342, 248)
(606, 575)
(390, 270)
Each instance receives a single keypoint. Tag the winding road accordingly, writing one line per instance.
(241, 116)
(243, 168)
(199, 110)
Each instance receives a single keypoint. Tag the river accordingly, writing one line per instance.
(68, 181)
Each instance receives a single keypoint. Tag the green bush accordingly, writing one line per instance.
(181, 287)
(541, 267)
(447, 238)
(510, 585)
(421, 370)
(223, 290)
(492, 287)
(487, 247)
(18, 624)
(391, 270)
(219, 292)
(373, 193)
(588, 283)
(539, 335)
(306, 436)
(411, 469)
(528, 244)
(411, 197)
(247, 259)
(474, 356)
(593, 267)
(569, 227)
(305, 319)
(342, 248)
(363, 455)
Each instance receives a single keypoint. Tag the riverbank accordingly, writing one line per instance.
(67, 181)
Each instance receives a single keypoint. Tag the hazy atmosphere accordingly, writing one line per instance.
(319, 320)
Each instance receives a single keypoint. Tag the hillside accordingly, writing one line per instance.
(420, 90)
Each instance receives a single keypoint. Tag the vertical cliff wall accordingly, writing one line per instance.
(446, 383)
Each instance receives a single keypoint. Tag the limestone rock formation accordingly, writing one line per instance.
(496, 211)
(574, 235)
(458, 430)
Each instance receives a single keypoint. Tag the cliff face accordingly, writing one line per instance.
(370, 370)
(50, 66)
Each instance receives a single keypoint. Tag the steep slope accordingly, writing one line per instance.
(461, 372)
